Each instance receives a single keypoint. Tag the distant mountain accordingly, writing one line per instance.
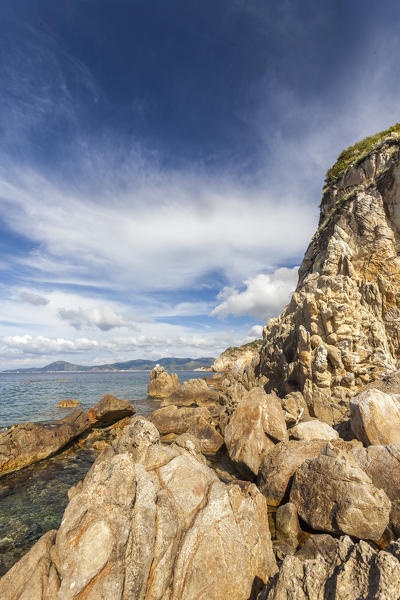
(140, 364)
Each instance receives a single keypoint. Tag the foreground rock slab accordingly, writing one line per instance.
(332, 493)
(375, 418)
(256, 426)
(152, 522)
(349, 572)
(109, 410)
(28, 443)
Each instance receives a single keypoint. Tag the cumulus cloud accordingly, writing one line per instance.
(263, 297)
(42, 345)
(34, 299)
(103, 318)
(255, 332)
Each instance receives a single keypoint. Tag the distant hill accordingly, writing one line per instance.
(140, 364)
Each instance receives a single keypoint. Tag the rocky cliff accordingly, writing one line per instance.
(340, 330)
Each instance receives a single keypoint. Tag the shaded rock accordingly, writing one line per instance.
(34, 577)
(68, 403)
(162, 384)
(255, 427)
(28, 443)
(109, 410)
(153, 522)
(352, 572)
(313, 430)
(171, 419)
(321, 544)
(210, 440)
(332, 493)
(279, 465)
(375, 418)
(287, 525)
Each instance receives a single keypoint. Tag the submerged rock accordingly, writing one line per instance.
(68, 403)
(151, 521)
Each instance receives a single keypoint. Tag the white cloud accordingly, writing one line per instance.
(102, 317)
(255, 332)
(42, 345)
(35, 299)
(263, 297)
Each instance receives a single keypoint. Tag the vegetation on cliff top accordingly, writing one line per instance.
(357, 152)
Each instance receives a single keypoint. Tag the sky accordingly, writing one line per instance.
(161, 164)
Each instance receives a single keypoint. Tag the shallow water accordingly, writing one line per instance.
(33, 500)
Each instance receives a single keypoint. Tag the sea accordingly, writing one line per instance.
(33, 500)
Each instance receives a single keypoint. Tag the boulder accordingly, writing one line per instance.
(313, 430)
(151, 521)
(287, 525)
(109, 410)
(209, 439)
(171, 419)
(68, 403)
(28, 443)
(279, 465)
(348, 572)
(332, 493)
(162, 384)
(254, 428)
(375, 418)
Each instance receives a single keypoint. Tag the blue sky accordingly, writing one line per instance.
(161, 164)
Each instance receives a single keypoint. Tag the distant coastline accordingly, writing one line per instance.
(170, 363)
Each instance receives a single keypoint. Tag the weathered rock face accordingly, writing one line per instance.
(28, 443)
(375, 418)
(332, 493)
(245, 354)
(162, 384)
(313, 430)
(152, 522)
(279, 465)
(350, 572)
(109, 410)
(255, 427)
(209, 439)
(340, 330)
(172, 419)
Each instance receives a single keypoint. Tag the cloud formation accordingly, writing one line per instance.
(103, 318)
(34, 299)
(264, 295)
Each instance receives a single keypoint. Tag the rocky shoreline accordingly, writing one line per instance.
(277, 479)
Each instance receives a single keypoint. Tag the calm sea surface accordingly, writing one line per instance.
(33, 500)
(34, 397)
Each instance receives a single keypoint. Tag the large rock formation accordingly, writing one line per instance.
(162, 384)
(340, 329)
(150, 521)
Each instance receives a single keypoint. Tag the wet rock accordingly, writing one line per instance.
(332, 493)
(109, 410)
(375, 418)
(255, 427)
(154, 522)
(68, 403)
(313, 430)
(162, 384)
(28, 443)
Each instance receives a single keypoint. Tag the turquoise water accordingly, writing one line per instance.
(34, 397)
(33, 500)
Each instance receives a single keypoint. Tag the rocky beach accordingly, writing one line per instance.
(277, 476)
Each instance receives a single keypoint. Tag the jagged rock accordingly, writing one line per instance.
(287, 525)
(340, 329)
(332, 493)
(162, 384)
(320, 544)
(255, 427)
(375, 418)
(313, 430)
(352, 572)
(153, 522)
(28, 443)
(245, 354)
(68, 403)
(109, 410)
(279, 465)
(210, 440)
(171, 419)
